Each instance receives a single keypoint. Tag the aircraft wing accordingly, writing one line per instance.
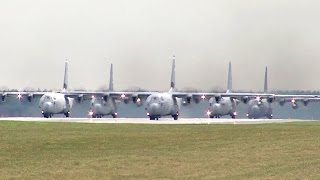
(245, 97)
(117, 95)
(20, 95)
(284, 96)
(196, 96)
(305, 99)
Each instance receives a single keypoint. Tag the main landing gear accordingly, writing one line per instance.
(214, 116)
(114, 115)
(47, 115)
(175, 116)
(154, 117)
(67, 114)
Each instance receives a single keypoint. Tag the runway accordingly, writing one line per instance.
(160, 121)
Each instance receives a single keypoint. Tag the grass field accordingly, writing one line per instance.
(118, 151)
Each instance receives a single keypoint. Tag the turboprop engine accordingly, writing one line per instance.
(80, 98)
(4, 97)
(30, 97)
(294, 104)
(245, 99)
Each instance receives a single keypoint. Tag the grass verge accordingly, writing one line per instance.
(32, 150)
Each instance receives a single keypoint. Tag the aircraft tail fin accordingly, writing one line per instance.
(173, 75)
(229, 86)
(111, 78)
(65, 79)
(265, 89)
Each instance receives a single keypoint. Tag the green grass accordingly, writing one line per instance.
(31, 150)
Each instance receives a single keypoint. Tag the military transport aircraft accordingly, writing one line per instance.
(104, 106)
(259, 105)
(157, 104)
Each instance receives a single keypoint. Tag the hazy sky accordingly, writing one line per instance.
(140, 37)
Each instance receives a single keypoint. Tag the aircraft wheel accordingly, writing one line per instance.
(114, 115)
(175, 117)
(211, 116)
(152, 117)
(67, 114)
(46, 115)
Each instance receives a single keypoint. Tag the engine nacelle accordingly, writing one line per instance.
(4, 97)
(30, 97)
(295, 105)
(211, 101)
(188, 98)
(270, 99)
(217, 98)
(305, 102)
(245, 99)
(135, 98)
(105, 97)
(80, 98)
(282, 102)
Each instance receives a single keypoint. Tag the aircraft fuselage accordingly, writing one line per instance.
(101, 108)
(259, 109)
(225, 107)
(55, 103)
(162, 104)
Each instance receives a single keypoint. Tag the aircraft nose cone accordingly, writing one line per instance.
(154, 109)
(255, 110)
(46, 107)
(215, 108)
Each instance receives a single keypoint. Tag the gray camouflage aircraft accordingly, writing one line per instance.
(225, 105)
(157, 104)
(259, 107)
(104, 106)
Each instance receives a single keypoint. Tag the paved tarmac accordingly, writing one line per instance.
(160, 121)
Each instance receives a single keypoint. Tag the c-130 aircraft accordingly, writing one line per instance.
(259, 105)
(157, 104)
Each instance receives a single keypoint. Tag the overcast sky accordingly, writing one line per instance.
(139, 37)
